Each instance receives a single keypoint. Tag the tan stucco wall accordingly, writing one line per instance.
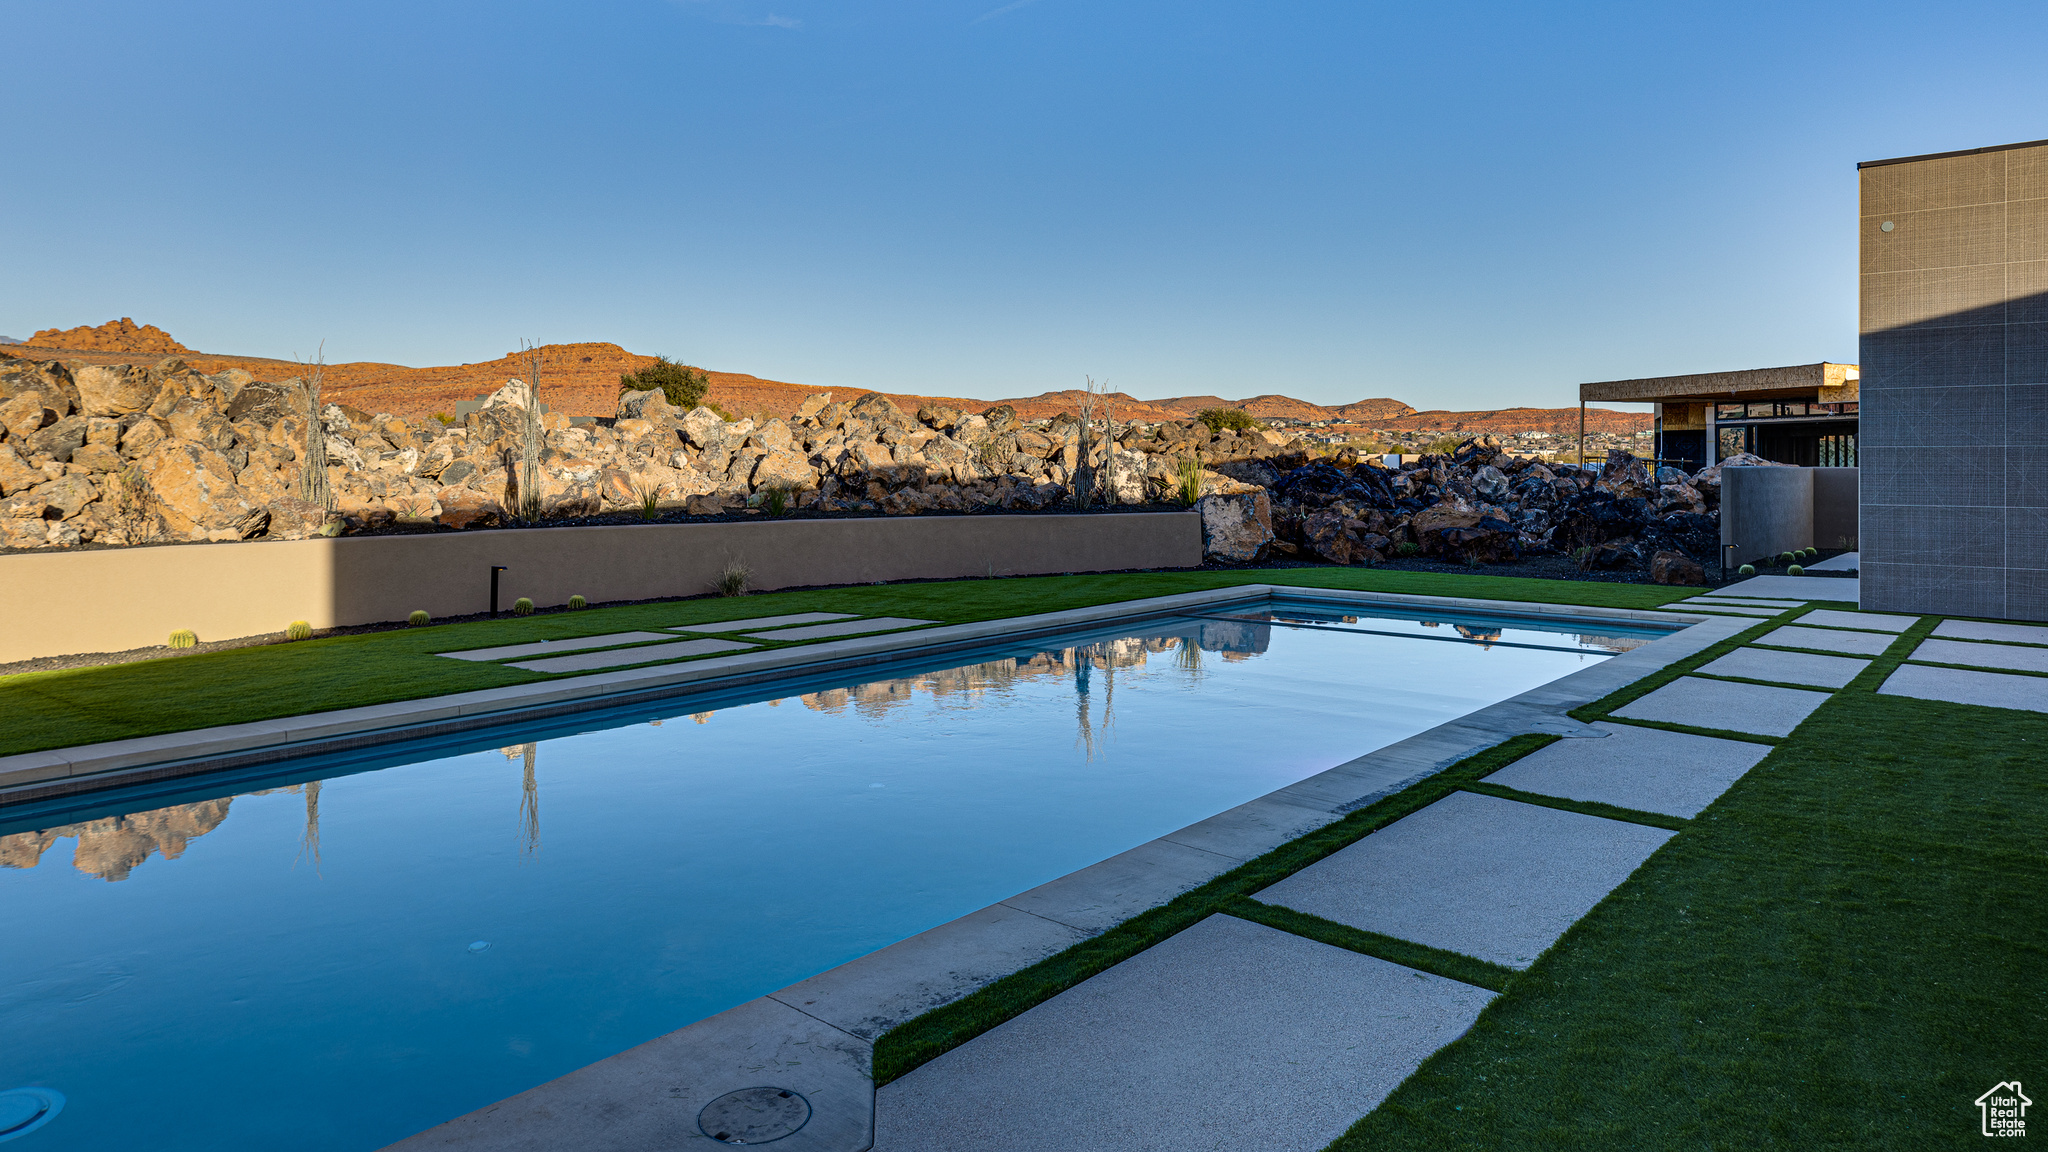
(117, 599)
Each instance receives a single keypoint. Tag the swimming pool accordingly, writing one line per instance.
(340, 952)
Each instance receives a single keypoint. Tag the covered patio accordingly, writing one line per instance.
(1804, 414)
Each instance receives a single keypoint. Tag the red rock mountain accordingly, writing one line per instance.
(583, 379)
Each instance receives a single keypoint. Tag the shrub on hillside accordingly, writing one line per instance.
(682, 385)
(1235, 419)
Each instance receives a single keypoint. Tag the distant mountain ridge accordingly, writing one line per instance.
(583, 379)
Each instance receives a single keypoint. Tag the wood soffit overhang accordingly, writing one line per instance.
(1832, 383)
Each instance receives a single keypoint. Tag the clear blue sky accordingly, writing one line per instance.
(1455, 205)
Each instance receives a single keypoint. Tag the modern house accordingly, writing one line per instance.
(1805, 414)
(1954, 286)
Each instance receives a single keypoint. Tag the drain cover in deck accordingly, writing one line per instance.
(754, 1115)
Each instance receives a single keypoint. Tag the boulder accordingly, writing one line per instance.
(15, 473)
(703, 428)
(784, 469)
(196, 490)
(807, 412)
(25, 415)
(65, 498)
(96, 458)
(115, 389)
(1001, 418)
(463, 508)
(879, 410)
(651, 404)
(1676, 568)
(1236, 526)
(58, 440)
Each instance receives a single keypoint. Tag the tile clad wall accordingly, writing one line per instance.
(1955, 385)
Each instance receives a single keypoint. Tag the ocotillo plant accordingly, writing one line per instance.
(531, 440)
(313, 487)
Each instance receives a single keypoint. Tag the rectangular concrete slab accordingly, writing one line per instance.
(1731, 610)
(1758, 709)
(1874, 621)
(1475, 874)
(1735, 602)
(620, 657)
(1828, 639)
(1227, 1037)
(845, 628)
(1959, 686)
(1979, 630)
(1846, 562)
(548, 647)
(1787, 667)
(650, 1097)
(1647, 769)
(1795, 588)
(764, 622)
(2009, 656)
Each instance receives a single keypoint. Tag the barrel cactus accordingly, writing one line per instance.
(1747, 570)
(522, 607)
(418, 619)
(298, 630)
(184, 638)
(576, 602)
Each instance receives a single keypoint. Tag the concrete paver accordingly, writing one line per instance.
(2009, 656)
(1112, 891)
(1647, 769)
(1846, 562)
(1979, 630)
(1229, 1036)
(1795, 588)
(1729, 610)
(622, 656)
(548, 647)
(1830, 639)
(1758, 709)
(844, 628)
(1787, 667)
(764, 622)
(1875, 621)
(1475, 874)
(1958, 686)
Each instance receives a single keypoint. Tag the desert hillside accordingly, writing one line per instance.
(583, 380)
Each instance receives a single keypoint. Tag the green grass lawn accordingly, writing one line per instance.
(83, 706)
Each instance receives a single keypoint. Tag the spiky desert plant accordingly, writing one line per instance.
(1746, 570)
(184, 638)
(1187, 476)
(418, 619)
(734, 579)
(649, 497)
(531, 439)
(313, 487)
(298, 630)
(522, 607)
(576, 602)
(1795, 570)
(775, 499)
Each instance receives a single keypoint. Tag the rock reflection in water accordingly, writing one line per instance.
(113, 846)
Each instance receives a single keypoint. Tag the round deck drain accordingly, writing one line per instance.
(754, 1115)
(23, 1110)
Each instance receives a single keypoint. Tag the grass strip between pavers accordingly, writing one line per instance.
(1582, 807)
(60, 709)
(1694, 729)
(1421, 957)
(942, 1029)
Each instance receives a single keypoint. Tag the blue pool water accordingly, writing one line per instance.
(340, 953)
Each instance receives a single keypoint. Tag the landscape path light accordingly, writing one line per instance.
(495, 569)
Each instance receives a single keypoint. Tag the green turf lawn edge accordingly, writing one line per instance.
(59, 709)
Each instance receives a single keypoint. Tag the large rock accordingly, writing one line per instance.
(115, 389)
(1342, 539)
(786, 470)
(1676, 568)
(647, 405)
(58, 440)
(196, 490)
(66, 497)
(25, 415)
(1236, 526)
(15, 473)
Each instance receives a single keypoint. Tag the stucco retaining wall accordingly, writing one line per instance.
(116, 599)
(1765, 511)
(1835, 502)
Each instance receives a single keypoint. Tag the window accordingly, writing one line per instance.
(1838, 451)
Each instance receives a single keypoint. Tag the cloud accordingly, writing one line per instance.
(774, 21)
(992, 13)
